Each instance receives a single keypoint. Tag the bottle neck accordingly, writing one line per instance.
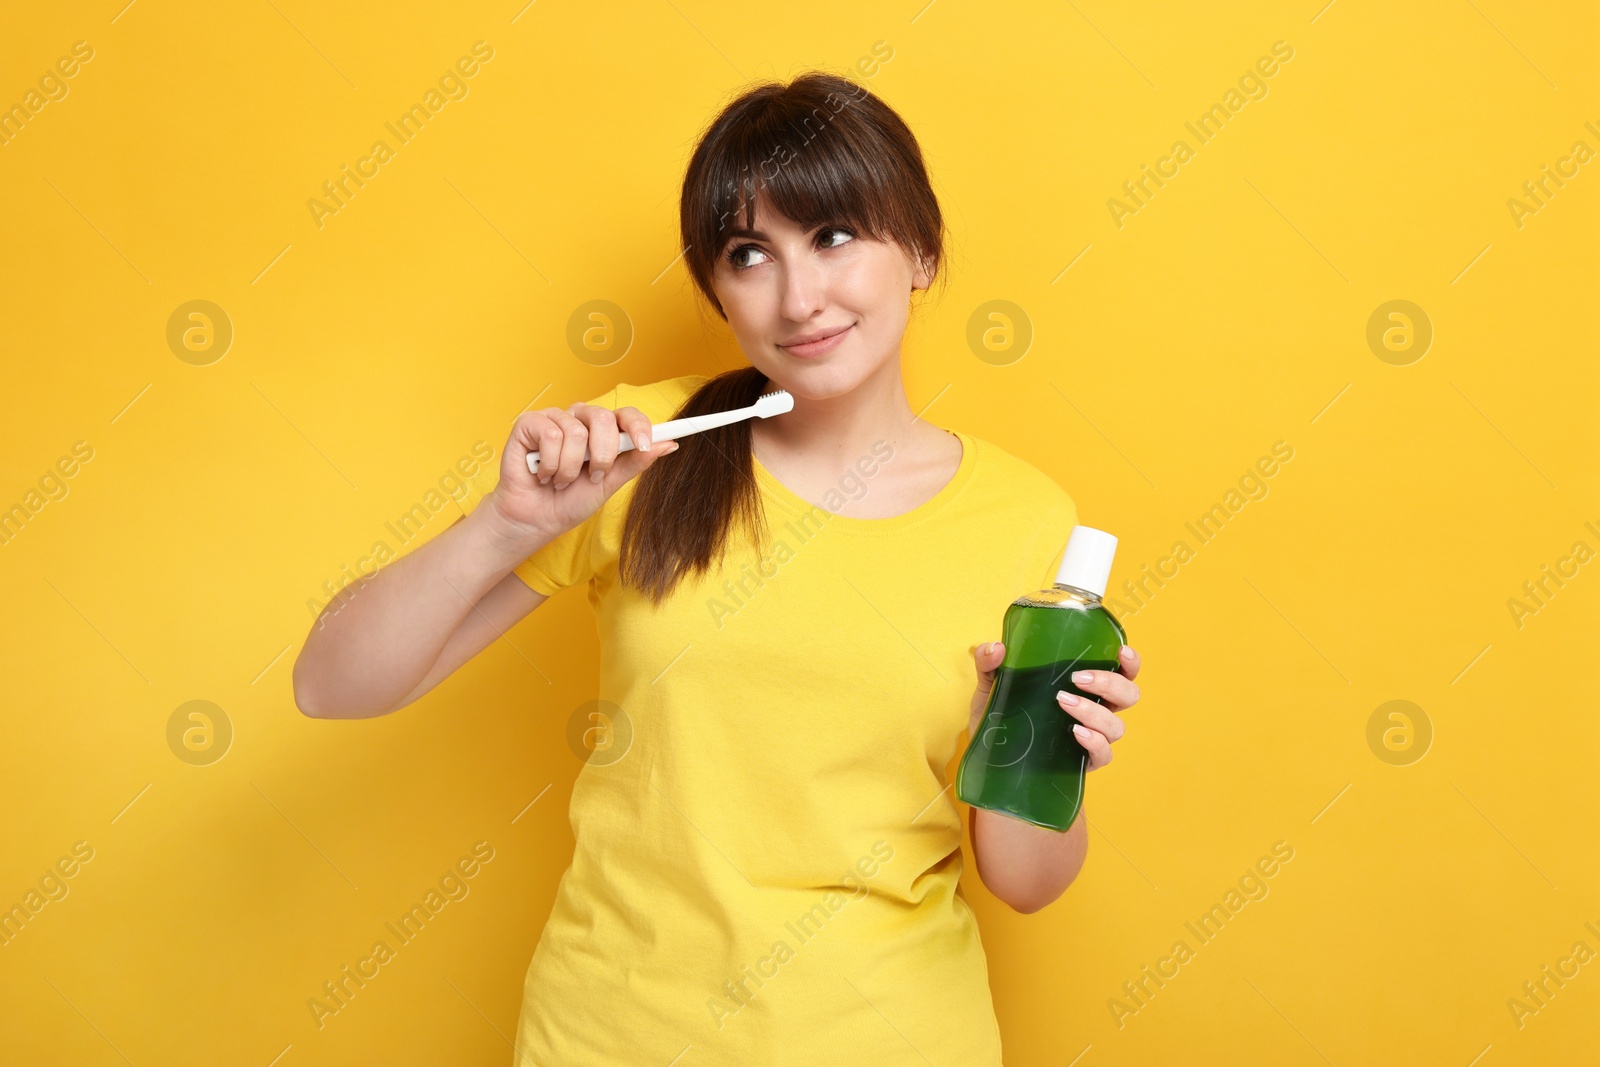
(1085, 593)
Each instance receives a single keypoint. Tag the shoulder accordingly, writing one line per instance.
(1007, 476)
(658, 400)
(1030, 511)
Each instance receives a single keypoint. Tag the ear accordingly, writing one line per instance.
(920, 278)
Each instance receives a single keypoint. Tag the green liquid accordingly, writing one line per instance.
(1024, 759)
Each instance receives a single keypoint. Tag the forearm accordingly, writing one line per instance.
(376, 640)
(1024, 865)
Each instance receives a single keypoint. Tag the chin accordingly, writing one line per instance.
(819, 380)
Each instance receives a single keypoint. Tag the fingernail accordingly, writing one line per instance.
(1127, 653)
(1083, 677)
(641, 441)
(596, 476)
(1081, 730)
(1066, 697)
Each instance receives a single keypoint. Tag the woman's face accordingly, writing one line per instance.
(781, 285)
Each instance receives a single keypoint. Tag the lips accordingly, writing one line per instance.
(818, 343)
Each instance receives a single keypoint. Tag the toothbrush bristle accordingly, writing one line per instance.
(775, 403)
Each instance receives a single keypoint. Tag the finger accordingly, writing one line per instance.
(1130, 661)
(1119, 692)
(636, 424)
(1094, 716)
(574, 449)
(603, 438)
(987, 658)
(527, 435)
(551, 436)
(1095, 744)
(632, 463)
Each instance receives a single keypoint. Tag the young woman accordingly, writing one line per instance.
(791, 612)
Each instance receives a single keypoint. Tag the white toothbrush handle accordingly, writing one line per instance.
(673, 429)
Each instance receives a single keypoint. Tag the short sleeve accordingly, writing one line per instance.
(568, 559)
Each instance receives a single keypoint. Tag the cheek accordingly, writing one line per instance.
(748, 315)
(742, 305)
(754, 325)
(873, 294)
(875, 286)
(866, 288)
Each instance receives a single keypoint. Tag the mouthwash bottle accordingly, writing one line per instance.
(1023, 759)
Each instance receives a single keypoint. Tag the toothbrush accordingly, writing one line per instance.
(775, 403)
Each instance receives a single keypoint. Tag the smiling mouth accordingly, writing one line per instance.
(817, 344)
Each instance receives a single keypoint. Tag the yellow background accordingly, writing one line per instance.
(1229, 313)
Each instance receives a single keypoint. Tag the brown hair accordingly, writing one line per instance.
(818, 150)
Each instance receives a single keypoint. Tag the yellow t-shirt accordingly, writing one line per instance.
(768, 852)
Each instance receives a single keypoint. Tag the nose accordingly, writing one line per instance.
(804, 288)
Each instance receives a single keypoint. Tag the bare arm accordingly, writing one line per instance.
(502, 607)
(1024, 865)
(392, 636)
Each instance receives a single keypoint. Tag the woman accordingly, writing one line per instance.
(768, 853)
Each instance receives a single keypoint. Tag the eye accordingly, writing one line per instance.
(734, 253)
(733, 256)
(849, 236)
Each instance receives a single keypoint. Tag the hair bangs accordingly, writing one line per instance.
(804, 168)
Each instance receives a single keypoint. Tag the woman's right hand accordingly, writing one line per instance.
(567, 490)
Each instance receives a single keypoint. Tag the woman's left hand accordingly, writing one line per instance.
(1099, 721)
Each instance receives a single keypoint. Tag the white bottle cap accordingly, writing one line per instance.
(1086, 564)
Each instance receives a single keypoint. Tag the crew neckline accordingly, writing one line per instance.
(797, 504)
